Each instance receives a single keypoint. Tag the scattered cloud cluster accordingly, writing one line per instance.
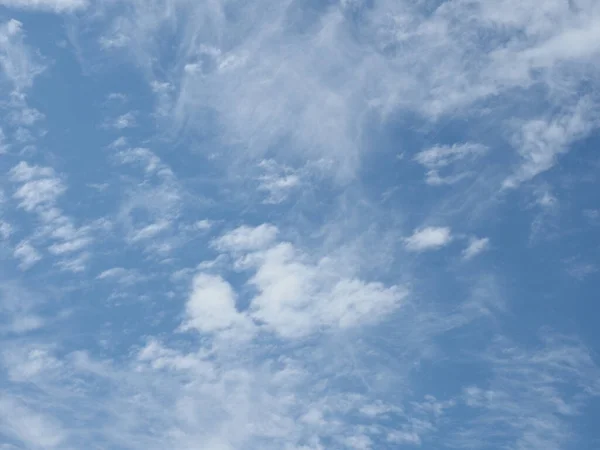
(38, 192)
(294, 295)
(206, 236)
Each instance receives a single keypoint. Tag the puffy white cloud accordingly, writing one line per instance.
(297, 295)
(428, 238)
(296, 298)
(211, 306)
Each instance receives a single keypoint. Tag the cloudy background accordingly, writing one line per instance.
(299, 225)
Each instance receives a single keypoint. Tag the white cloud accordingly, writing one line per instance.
(47, 5)
(121, 275)
(546, 199)
(39, 191)
(5, 229)
(295, 295)
(296, 298)
(211, 306)
(247, 238)
(277, 180)
(69, 246)
(25, 362)
(41, 187)
(150, 231)
(18, 309)
(428, 238)
(23, 115)
(580, 269)
(23, 172)
(294, 84)
(120, 142)
(117, 96)
(126, 120)
(442, 156)
(75, 264)
(34, 429)
(151, 206)
(28, 255)
(540, 142)
(203, 225)
(3, 144)
(145, 158)
(320, 90)
(455, 158)
(476, 246)
(17, 62)
(525, 396)
(26, 323)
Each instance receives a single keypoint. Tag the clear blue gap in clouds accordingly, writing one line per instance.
(304, 225)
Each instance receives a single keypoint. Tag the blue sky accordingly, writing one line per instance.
(299, 225)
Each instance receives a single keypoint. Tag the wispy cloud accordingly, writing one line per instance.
(19, 65)
(442, 157)
(525, 400)
(27, 254)
(476, 246)
(20, 309)
(124, 121)
(277, 181)
(120, 275)
(28, 426)
(46, 5)
(263, 93)
(540, 142)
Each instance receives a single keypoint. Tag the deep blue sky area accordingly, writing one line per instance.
(299, 225)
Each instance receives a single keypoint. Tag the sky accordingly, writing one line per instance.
(299, 224)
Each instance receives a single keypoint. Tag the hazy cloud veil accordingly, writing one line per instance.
(299, 225)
